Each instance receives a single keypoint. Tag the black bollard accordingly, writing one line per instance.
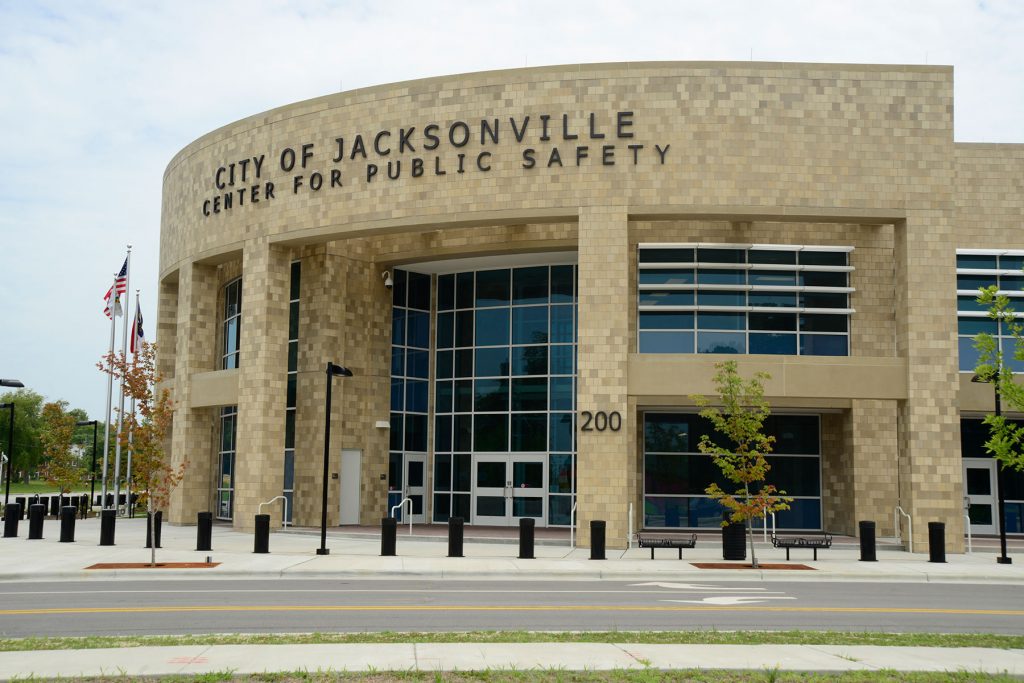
(261, 543)
(107, 519)
(35, 521)
(156, 525)
(867, 541)
(67, 524)
(597, 529)
(455, 528)
(204, 531)
(734, 541)
(388, 536)
(20, 500)
(54, 503)
(526, 538)
(936, 542)
(11, 519)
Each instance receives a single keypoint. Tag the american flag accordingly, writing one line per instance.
(112, 299)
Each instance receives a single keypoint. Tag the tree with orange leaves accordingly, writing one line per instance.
(62, 467)
(145, 432)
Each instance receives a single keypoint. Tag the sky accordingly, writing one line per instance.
(97, 96)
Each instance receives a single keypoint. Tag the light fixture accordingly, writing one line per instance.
(388, 282)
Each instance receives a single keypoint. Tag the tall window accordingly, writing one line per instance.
(290, 399)
(232, 323)
(505, 379)
(226, 462)
(410, 374)
(676, 473)
(707, 298)
(975, 269)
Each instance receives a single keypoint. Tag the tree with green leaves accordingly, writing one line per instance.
(27, 449)
(739, 415)
(145, 431)
(1006, 439)
(62, 467)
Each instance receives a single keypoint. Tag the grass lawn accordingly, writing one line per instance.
(36, 486)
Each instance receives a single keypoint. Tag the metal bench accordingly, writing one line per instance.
(824, 542)
(666, 541)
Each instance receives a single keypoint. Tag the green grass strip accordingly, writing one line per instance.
(1004, 642)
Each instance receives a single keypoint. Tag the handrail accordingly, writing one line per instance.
(967, 518)
(572, 524)
(284, 522)
(397, 507)
(765, 532)
(629, 534)
(897, 530)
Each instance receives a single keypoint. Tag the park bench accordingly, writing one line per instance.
(824, 541)
(653, 541)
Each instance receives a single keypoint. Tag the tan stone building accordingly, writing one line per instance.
(530, 272)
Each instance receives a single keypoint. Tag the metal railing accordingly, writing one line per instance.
(629, 533)
(967, 520)
(285, 522)
(899, 531)
(399, 507)
(572, 526)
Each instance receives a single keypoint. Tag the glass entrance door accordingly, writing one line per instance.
(980, 494)
(507, 487)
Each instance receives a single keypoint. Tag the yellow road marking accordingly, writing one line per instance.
(499, 608)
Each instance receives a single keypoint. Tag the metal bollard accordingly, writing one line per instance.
(107, 519)
(11, 519)
(936, 542)
(20, 500)
(388, 536)
(54, 503)
(204, 531)
(67, 524)
(455, 529)
(35, 521)
(597, 529)
(157, 523)
(867, 541)
(261, 543)
(526, 538)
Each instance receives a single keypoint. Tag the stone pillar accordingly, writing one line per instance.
(193, 433)
(874, 463)
(929, 427)
(607, 472)
(262, 381)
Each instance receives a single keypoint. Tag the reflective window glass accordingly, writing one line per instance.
(721, 321)
(529, 360)
(419, 291)
(530, 285)
(820, 322)
(464, 290)
(492, 288)
(665, 276)
(716, 255)
(811, 278)
(715, 298)
(721, 342)
(560, 437)
(822, 258)
(713, 276)
(530, 325)
(772, 278)
(975, 261)
(666, 256)
(823, 345)
(561, 393)
(820, 300)
(773, 322)
(562, 285)
(444, 366)
(492, 327)
(445, 330)
(773, 256)
(666, 342)
(490, 433)
(445, 292)
(779, 344)
(665, 298)
(563, 357)
(530, 394)
(493, 362)
(491, 395)
(975, 281)
(529, 432)
(442, 434)
(561, 324)
(666, 321)
(417, 363)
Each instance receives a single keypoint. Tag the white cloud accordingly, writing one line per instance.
(97, 97)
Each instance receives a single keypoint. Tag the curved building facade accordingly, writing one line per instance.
(529, 274)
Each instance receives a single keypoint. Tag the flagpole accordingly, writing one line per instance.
(110, 394)
(120, 412)
(131, 434)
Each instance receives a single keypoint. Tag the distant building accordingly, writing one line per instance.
(570, 250)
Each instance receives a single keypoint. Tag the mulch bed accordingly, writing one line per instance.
(730, 565)
(159, 565)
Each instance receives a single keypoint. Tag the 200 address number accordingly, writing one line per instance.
(600, 421)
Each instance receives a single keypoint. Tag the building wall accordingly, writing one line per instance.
(855, 155)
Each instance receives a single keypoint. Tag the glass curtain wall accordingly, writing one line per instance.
(973, 435)
(708, 298)
(676, 473)
(226, 462)
(504, 380)
(232, 324)
(976, 269)
(290, 399)
(410, 378)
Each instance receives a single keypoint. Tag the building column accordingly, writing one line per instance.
(606, 470)
(262, 382)
(192, 350)
(931, 487)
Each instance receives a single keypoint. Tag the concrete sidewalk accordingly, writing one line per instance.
(246, 659)
(292, 554)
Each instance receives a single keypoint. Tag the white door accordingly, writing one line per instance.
(507, 487)
(980, 495)
(351, 471)
(414, 486)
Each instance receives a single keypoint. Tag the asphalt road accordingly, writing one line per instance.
(293, 605)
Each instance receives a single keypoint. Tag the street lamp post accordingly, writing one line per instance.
(10, 437)
(332, 372)
(1001, 501)
(92, 471)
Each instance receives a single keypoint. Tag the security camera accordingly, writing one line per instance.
(388, 282)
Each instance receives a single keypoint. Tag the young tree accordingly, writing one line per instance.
(740, 419)
(61, 465)
(145, 432)
(27, 450)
